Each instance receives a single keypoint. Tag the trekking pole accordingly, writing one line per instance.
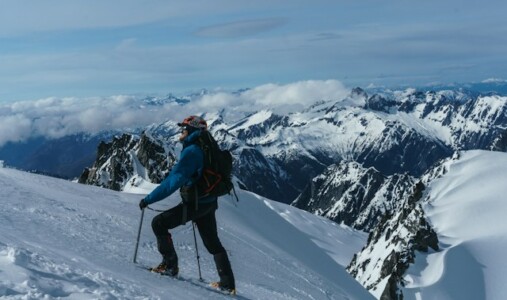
(139, 235)
(197, 252)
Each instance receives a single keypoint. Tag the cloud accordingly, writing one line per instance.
(240, 28)
(14, 128)
(57, 117)
(494, 80)
(282, 99)
(324, 36)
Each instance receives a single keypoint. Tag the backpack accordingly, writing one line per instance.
(216, 179)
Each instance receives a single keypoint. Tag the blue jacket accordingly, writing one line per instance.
(185, 172)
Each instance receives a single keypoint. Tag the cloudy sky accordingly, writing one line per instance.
(84, 65)
(92, 48)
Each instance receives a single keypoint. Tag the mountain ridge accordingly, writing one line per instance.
(406, 132)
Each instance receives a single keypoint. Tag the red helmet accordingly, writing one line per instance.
(195, 122)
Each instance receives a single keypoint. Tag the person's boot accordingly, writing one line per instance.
(224, 269)
(169, 264)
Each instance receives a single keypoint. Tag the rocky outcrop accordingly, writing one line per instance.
(128, 156)
(500, 142)
(392, 247)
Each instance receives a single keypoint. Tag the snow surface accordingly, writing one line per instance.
(467, 208)
(62, 240)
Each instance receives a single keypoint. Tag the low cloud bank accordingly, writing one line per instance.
(58, 117)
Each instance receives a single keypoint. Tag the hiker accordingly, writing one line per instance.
(200, 210)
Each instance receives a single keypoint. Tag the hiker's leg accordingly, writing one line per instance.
(161, 225)
(207, 226)
(208, 230)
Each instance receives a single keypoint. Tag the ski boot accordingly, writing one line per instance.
(226, 283)
(166, 270)
(169, 264)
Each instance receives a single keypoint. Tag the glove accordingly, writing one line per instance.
(142, 204)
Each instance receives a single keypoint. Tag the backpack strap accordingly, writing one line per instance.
(188, 195)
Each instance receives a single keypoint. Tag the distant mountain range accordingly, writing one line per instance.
(489, 86)
(277, 156)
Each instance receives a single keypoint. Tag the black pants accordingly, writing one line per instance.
(204, 218)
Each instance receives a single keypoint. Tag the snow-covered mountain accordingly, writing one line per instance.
(446, 240)
(487, 86)
(62, 240)
(395, 132)
(458, 120)
(466, 207)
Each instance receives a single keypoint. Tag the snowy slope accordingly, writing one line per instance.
(59, 239)
(467, 208)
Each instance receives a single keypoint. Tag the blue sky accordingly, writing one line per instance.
(86, 48)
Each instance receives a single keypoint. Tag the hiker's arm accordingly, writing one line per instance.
(191, 160)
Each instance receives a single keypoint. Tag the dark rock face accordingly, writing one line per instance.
(354, 195)
(262, 175)
(119, 165)
(154, 158)
(409, 151)
(392, 247)
(125, 156)
(500, 142)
